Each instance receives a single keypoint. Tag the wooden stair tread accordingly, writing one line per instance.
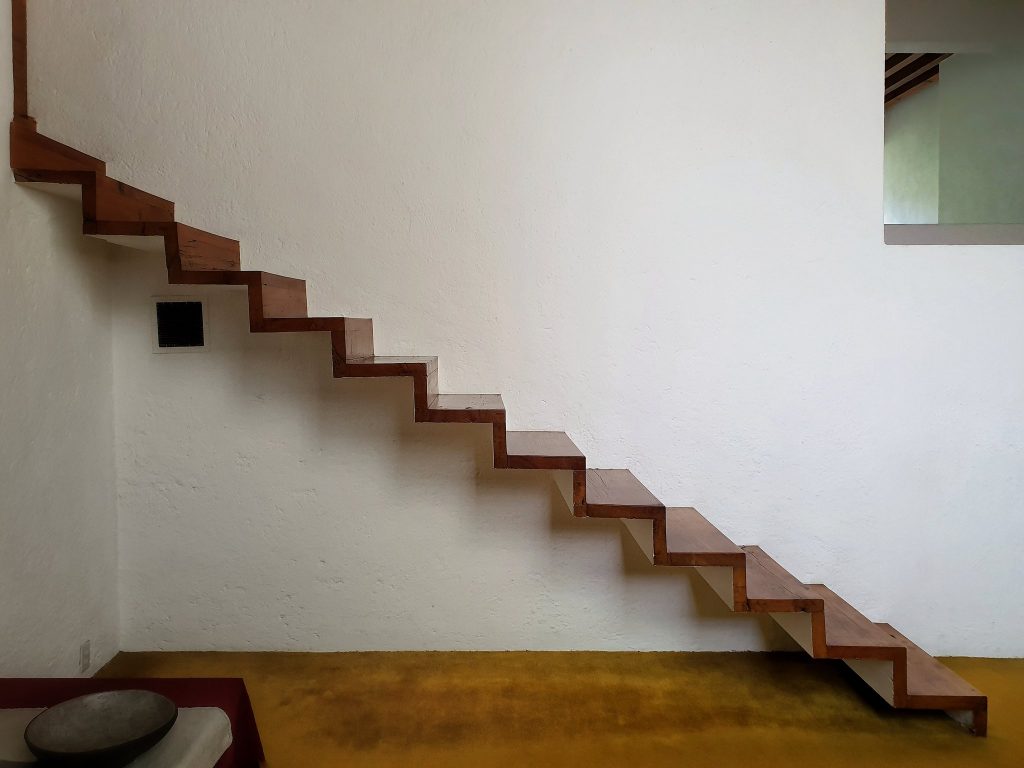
(387, 365)
(850, 633)
(691, 540)
(243, 277)
(116, 201)
(618, 493)
(771, 588)
(467, 409)
(302, 324)
(467, 402)
(543, 450)
(928, 677)
(198, 250)
(32, 151)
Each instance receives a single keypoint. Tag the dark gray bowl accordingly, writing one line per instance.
(105, 730)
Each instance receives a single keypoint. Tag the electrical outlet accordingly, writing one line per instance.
(84, 656)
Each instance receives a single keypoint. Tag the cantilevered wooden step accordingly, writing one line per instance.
(465, 409)
(693, 541)
(852, 635)
(931, 685)
(879, 659)
(773, 589)
(386, 365)
(302, 324)
(187, 249)
(543, 450)
(122, 206)
(193, 250)
(38, 158)
(422, 370)
(617, 493)
(270, 295)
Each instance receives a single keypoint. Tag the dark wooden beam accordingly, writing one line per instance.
(912, 69)
(19, 34)
(894, 60)
(904, 88)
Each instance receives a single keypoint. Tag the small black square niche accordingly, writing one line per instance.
(179, 324)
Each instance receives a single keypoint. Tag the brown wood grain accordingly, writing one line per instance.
(197, 250)
(852, 635)
(931, 685)
(618, 493)
(543, 450)
(771, 588)
(19, 35)
(281, 296)
(112, 201)
(35, 157)
(691, 540)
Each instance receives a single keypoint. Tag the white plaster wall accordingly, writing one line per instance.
(58, 526)
(654, 224)
(912, 159)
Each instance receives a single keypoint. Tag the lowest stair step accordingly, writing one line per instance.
(932, 685)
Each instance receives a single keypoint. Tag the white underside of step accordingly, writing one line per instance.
(154, 244)
(798, 626)
(642, 532)
(719, 578)
(66, 191)
(563, 479)
(876, 673)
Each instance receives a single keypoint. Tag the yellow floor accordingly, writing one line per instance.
(593, 709)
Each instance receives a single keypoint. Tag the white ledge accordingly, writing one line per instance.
(954, 234)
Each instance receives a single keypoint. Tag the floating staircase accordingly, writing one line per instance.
(745, 577)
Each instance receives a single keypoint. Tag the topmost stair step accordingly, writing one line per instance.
(617, 493)
(35, 157)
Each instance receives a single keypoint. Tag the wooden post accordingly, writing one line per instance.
(19, 18)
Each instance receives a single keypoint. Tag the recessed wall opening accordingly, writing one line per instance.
(179, 324)
(954, 118)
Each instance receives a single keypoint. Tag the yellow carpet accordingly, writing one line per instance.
(593, 709)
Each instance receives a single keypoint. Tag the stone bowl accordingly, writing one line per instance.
(101, 730)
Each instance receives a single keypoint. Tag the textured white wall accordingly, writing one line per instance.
(657, 225)
(912, 159)
(58, 547)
